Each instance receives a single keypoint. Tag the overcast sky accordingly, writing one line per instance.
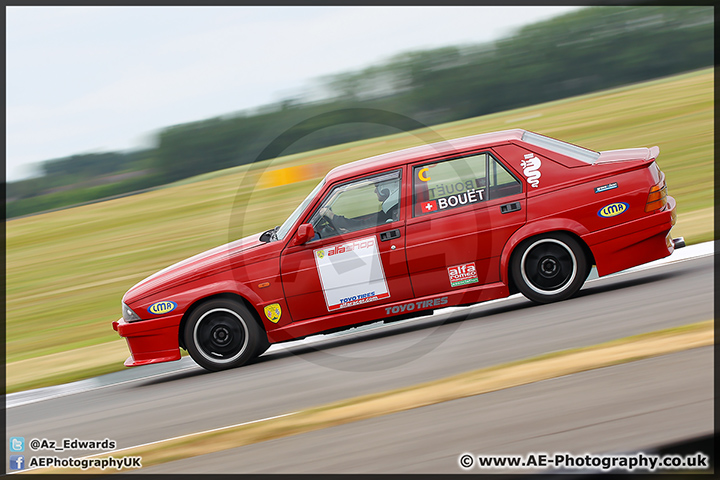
(91, 79)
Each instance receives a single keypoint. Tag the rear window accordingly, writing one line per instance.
(563, 148)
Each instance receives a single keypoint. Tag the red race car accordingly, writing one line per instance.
(404, 233)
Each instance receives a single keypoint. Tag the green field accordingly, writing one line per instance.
(67, 270)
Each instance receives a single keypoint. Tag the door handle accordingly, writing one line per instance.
(510, 207)
(389, 235)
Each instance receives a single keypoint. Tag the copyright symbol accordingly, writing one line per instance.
(34, 444)
(466, 460)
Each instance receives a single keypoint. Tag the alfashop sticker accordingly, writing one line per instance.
(462, 274)
(531, 169)
(160, 308)
(351, 273)
(419, 305)
(273, 312)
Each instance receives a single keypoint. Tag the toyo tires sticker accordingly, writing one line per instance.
(351, 273)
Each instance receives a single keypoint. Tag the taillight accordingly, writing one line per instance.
(657, 198)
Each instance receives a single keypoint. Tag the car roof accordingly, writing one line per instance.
(401, 157)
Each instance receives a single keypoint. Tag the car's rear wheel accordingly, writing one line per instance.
(223, 334)
(549, 267)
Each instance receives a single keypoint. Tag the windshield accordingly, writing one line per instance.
(285, 227)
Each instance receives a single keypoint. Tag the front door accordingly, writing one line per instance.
(357, 258)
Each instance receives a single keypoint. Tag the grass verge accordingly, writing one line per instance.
(467, 384)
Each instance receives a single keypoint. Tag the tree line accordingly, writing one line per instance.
(584, 51)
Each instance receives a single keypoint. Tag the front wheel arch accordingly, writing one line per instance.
(197, 303)
(222, 333)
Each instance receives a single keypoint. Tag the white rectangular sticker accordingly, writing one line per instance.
(351, 273)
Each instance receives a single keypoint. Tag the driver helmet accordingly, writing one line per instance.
(389, 193)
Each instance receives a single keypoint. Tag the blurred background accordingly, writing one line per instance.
(601, 77)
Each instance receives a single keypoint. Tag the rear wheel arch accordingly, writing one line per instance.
(586, 249)
(561, 240)
(522, 235)
(565, 225)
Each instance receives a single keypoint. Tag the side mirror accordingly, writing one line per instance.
(304, 233)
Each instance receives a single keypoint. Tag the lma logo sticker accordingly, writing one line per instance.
(160, 308)
(613, 209)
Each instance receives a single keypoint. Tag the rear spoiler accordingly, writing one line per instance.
(628, 155)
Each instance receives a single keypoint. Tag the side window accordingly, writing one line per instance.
(360, 204)
(461, 181)
(501, 183)
(449, 184)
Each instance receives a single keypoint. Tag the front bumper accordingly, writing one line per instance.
(151, 341)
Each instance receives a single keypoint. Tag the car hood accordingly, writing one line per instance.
(213, 260)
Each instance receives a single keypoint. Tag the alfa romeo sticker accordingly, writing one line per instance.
(531, 169)
(273, 312)
(462, 274)
(351, 273)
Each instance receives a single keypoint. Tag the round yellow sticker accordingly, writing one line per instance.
(422, 176)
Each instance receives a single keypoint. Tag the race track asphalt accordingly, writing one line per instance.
(621, 409)
(191, 400)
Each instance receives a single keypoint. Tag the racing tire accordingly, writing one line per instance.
(550, 267)
(223, 334)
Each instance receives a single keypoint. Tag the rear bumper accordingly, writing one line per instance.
(633, 243)
(151, 341)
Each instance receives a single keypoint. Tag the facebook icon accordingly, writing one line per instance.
(17, 462)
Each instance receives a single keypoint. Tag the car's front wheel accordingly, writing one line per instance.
(223, 334)
(549, 267)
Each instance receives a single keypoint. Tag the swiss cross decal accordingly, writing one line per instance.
(430, 206)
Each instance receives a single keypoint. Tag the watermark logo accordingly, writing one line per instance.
(439, 329)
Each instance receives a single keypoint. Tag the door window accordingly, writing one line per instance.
(353, 206)
(462, 181)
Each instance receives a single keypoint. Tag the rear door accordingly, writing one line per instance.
(463, 212)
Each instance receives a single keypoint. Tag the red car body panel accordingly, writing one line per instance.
(559, 193)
